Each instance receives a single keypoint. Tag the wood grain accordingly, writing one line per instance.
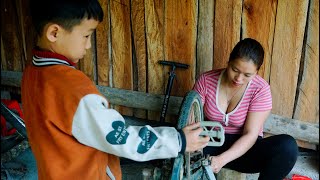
(275, 124)
(87, 63)
(287, 48)
(11, 36)
(226, 30)
(140, 51)
(205, 36)
(30, 36)
(288, 30)
(307, 103)
(121, 48)
(307, 108)
(154, 10)
(258, 22)
(180, 42)
(103, 44)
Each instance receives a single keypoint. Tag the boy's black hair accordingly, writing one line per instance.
(66, 13)
(250, 49)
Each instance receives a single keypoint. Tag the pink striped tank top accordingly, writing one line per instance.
(256, 98)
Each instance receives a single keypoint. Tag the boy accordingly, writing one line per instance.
(71, 129)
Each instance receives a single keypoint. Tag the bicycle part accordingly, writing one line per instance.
(215, 132)
(194, 165)
(172, 75)
(14, 120)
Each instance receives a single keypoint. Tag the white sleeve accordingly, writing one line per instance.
(97, 126)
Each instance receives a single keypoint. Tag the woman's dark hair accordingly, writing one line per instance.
(66, 13)
(250, 49)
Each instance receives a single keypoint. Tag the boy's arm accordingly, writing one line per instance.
(97, 126)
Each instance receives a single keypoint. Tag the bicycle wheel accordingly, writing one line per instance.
(190, 112)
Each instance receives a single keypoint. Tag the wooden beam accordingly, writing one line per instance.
(300, 130)
(139, 100)
(275, 124)
(128, 98)
(11, 78)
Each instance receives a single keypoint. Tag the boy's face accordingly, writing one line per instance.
(74, 44)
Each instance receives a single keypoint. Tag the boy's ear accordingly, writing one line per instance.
(52, 32)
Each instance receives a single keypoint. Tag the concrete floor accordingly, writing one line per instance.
(307, 165)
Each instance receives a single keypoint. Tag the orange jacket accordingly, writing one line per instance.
(72, 131)
(49, 104)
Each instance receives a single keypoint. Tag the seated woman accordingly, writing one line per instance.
(241, 101)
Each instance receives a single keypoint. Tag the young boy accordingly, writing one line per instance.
(71, 129)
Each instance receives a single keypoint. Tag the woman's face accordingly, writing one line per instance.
(240, 71)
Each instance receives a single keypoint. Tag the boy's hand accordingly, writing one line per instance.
(193, 139)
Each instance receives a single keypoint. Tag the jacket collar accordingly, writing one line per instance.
(47, 58)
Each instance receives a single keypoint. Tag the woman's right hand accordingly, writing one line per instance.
(216, 163)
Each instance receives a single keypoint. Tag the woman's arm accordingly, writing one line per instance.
(252, 127)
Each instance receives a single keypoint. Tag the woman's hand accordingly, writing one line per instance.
(216, 163)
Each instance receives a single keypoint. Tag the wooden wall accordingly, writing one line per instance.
(136, 34)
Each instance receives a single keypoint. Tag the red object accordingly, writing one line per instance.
(299, 177)
(14, 106)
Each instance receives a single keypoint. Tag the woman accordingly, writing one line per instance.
(241, 101)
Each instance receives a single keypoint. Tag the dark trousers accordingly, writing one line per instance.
(273, 157)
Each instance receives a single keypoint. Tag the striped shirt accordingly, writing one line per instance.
(256, 98)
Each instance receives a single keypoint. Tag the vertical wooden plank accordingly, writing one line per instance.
(205, 36)
(103, 46)
(139, 42)
(121, 48)
(180, 28)
(286, 55)
(226, 30)
(3, 56)
(258, 22)
(20, 27)
(28, 31)
(307, 101)
(87, 63)
(154, 14)
(307, 108)
(180, 42)
(10, 35)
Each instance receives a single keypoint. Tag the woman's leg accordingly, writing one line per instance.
(273, 157)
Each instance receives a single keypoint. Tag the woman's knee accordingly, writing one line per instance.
(288, 146)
